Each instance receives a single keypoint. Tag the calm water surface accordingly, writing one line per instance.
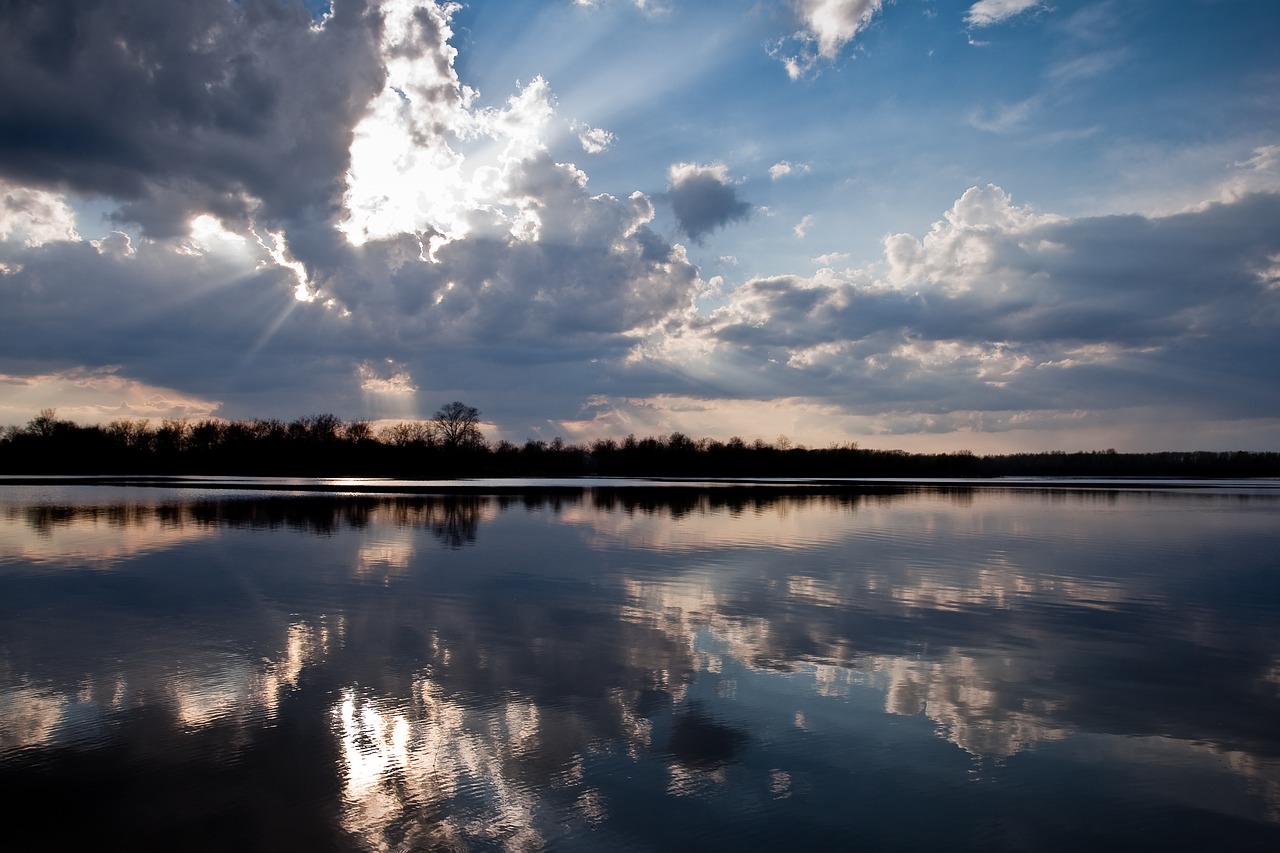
(892, 668)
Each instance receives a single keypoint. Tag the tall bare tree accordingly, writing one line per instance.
(458, 425)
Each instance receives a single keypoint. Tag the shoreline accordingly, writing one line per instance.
(533, 485)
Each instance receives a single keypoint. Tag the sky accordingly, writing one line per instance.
(996, 226)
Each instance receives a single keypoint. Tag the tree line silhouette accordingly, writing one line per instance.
(451, 445)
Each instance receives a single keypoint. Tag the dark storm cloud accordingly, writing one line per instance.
(528, 324)
(704, 199)
(179, 108)
(248, 111)
(166, 318)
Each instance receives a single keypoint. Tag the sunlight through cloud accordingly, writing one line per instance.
(419, 161)
(278, 251)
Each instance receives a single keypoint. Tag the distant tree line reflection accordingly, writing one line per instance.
(451, 445)
(453, 519)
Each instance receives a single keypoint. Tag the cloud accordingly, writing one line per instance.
(233, 109)
(95, 395)
(399, 224)
(323, 215)
(832, 23)
(826, 26)
(1007, 118)
(704, 198)
(34, 217)
(1266, 158)
(986, 13)
(595, 140)
(1013, 316)
(1259, 173)
(117, 243)
(802, 227)
(783, 169)
(389, 389)
(652, 7)
(392, 379)
(1090, 64)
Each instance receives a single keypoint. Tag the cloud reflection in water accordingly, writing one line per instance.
(508, 672)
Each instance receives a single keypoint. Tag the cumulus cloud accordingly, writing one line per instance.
(34, 217)
(117, 243)
(826, 26)
(315, 216)
(704, 198)
(985, 13)
(322, 215)
(1013, 316)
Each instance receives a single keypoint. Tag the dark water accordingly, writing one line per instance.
(897, 669)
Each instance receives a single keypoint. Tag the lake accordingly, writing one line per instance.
(876, 666)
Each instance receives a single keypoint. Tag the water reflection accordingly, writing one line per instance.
(532, 671)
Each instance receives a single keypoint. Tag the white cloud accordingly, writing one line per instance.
(390, 378)
(1259, 173)
(1007, 118)
(1005, 317)
(117, 243)
(826, 27)
(1092, 64)
(595, 140)
(966, 246)
(802, 227)
(832, 23)
(985, 13)
(1266, 158)
(783, 169)
(35, 217)
(652, 7)
(405, 176)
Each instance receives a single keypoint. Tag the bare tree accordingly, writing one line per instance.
(173, 435)
(407, 434)
(458, 425)
(45, 424)
(358, 431)
(135, 434)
